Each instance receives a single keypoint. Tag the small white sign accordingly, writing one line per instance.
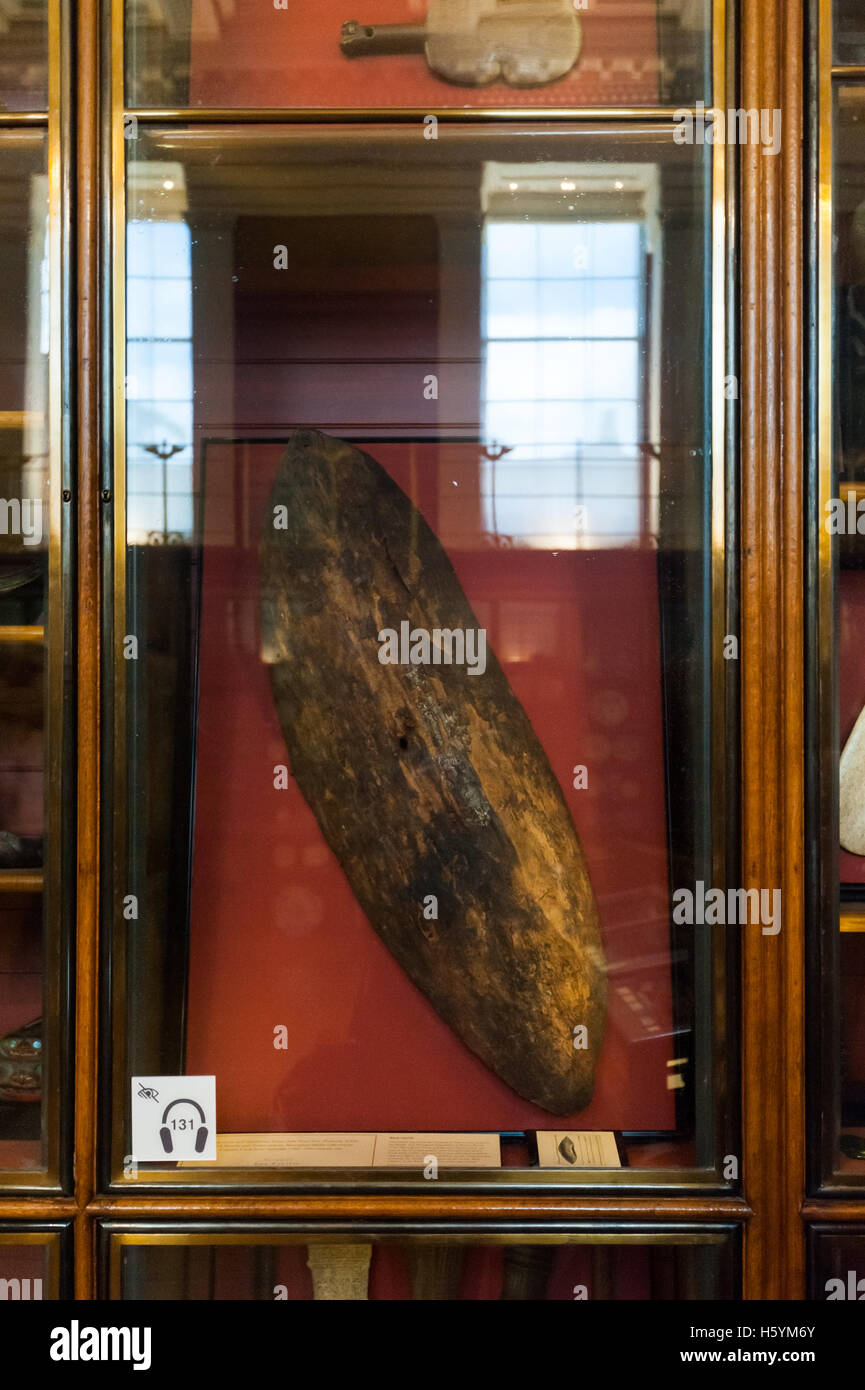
(173, 1118)
(577, 1149)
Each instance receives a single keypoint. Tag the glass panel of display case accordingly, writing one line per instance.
(847, 487)
(24, 517)
(283, 1265)
(24, 335)
(415, 658)
(21, 988)
(24, 55)
(33, 1264)
(849, 32)
(836, 1263)
(418, 54)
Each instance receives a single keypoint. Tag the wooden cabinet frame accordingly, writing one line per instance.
(768, 217)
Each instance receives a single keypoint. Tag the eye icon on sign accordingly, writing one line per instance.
(183, 1125)
(148, 1093)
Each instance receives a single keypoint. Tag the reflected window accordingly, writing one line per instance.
(35, 456)
(566, 316)
(159, 385)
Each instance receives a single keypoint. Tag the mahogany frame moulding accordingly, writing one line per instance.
(772, 74)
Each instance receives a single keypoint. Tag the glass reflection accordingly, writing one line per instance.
(24, 333)
(24, 480)
(509, 325)
(849, 31)
(24, 55)
(564, 315)
(25, 1270)
(159, 380)
(369, 1269)
(849, 466)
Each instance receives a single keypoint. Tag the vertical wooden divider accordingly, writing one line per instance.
(773, 518)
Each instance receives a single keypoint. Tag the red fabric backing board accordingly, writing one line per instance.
(276, 935)
(24, 1262)
(262, 56)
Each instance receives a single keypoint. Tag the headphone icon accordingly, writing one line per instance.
(166, 1135)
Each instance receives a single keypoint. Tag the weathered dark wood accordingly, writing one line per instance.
(428, 780)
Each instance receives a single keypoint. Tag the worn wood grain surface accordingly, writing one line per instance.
(428, 781)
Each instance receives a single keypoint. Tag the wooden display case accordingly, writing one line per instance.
(757, 544)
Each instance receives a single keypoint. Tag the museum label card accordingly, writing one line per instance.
(356, 1151)
(448, 1150)
(584, 1148)
(294, 1151)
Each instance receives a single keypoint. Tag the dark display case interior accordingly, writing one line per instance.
(643, 1266)
(21, 973)
(24, 55)
(30, 1269)
(24, 517)
(836, 1263)
(849, 489)
(849, 32)
(486, 317)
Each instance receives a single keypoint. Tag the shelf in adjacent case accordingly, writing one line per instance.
(852, 917)
(20, 419)
(33, 634)
(20, 880)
